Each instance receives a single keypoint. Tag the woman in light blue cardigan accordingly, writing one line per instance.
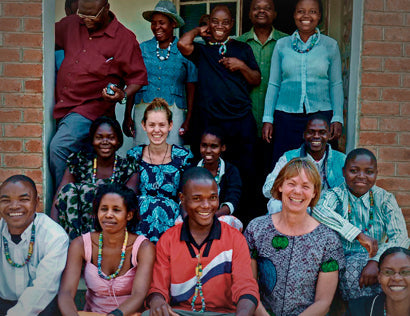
(305, 78)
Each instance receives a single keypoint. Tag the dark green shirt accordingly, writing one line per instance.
(263, 55)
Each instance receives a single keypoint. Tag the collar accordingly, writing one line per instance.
(365, 198)
(296, 34)
(214, 233)
(110, 30)
(25, 236)
(304, 153)
(222, 171)
(153, 45)
(251, 35)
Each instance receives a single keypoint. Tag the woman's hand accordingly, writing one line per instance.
(335, 130)
(267, 132)
(369, 274)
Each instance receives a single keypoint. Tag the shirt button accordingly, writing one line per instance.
(159, 78)
(159, 68)
(90, 38)
(61, 100)
(76, 61)
(84, 50)
(159, 89)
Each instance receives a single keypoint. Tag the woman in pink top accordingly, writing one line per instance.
(115, 286)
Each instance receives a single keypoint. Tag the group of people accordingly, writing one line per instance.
(160, 230)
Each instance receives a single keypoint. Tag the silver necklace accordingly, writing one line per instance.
(162, 58)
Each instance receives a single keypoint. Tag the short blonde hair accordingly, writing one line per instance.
(292, 169)
(156, 105)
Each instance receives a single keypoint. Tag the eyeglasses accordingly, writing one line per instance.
(390, 273)
(90, 17)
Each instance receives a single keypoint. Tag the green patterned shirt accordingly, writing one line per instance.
(263, 55)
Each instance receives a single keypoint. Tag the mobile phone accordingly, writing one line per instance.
(110, 91)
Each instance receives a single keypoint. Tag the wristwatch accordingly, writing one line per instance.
(124, 99)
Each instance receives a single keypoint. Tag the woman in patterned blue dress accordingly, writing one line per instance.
(160, 168)
(296, 258)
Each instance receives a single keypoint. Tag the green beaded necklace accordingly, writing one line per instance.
(30, 249)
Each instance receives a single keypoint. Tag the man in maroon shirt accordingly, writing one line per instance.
(98, 50)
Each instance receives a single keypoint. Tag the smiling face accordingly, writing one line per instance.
(94, 14)
(112, 213)
(105, 141)
(18, 204)
(396, 286)
(162, 27)
(157, 127)
(211, 149)
(262, 12)
(307, 16)
(220, 24)
(360, 174)
(297, 193)
(316, 136)
(200, 200)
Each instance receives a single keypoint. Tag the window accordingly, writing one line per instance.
(192, 10)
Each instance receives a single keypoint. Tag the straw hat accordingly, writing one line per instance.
(165, 7)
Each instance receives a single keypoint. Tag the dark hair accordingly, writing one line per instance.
(195, 173)
(130, 202)
(319, 2)
(391, 251)
(21, 178)
(111, 122)
(358, 152)
(215, 131)
(157, 105)
(318, 116)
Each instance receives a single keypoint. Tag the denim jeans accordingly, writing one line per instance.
(71, 136)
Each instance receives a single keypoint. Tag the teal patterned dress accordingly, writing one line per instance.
(158, 186)
(74, 200)
(289, 266)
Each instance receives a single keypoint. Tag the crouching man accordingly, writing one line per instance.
(33, 252)
(202, 265)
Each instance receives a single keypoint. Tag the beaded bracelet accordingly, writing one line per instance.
(116, 312)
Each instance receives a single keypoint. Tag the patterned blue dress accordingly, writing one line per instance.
(158, 186)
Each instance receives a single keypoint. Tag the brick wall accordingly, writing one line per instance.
(385, 94)
(21, 86)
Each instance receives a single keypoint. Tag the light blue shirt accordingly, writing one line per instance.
(313, 79)
(389, 226)
(166, 78)
(36, 284)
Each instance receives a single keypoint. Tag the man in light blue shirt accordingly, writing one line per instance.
(33, 252)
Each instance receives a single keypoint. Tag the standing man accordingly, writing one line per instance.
(98, 50)
(227, 69)
(262, 39)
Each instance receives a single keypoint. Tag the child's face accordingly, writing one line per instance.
(360, 174)
(200, 200)
(211, 148)
(18, 203)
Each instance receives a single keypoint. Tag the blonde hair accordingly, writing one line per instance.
(156, 105)
(292, 169)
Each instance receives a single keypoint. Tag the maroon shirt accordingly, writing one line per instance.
(91, 62)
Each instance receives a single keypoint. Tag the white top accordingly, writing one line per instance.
(36, 284)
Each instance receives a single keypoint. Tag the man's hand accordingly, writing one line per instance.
(369, 243)
(184, 128)
(203, 31)
(128, 126)
(335, 130)
(119, 94)
(369, 274)
(159, 307)
(267, 132)
(232, 63)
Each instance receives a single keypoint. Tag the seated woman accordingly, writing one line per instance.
(369, 220)
(295, 257)
(394, 278)
(160, 168)
(118, 264)
(85, 171)
(226, 175)
(328, 162)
